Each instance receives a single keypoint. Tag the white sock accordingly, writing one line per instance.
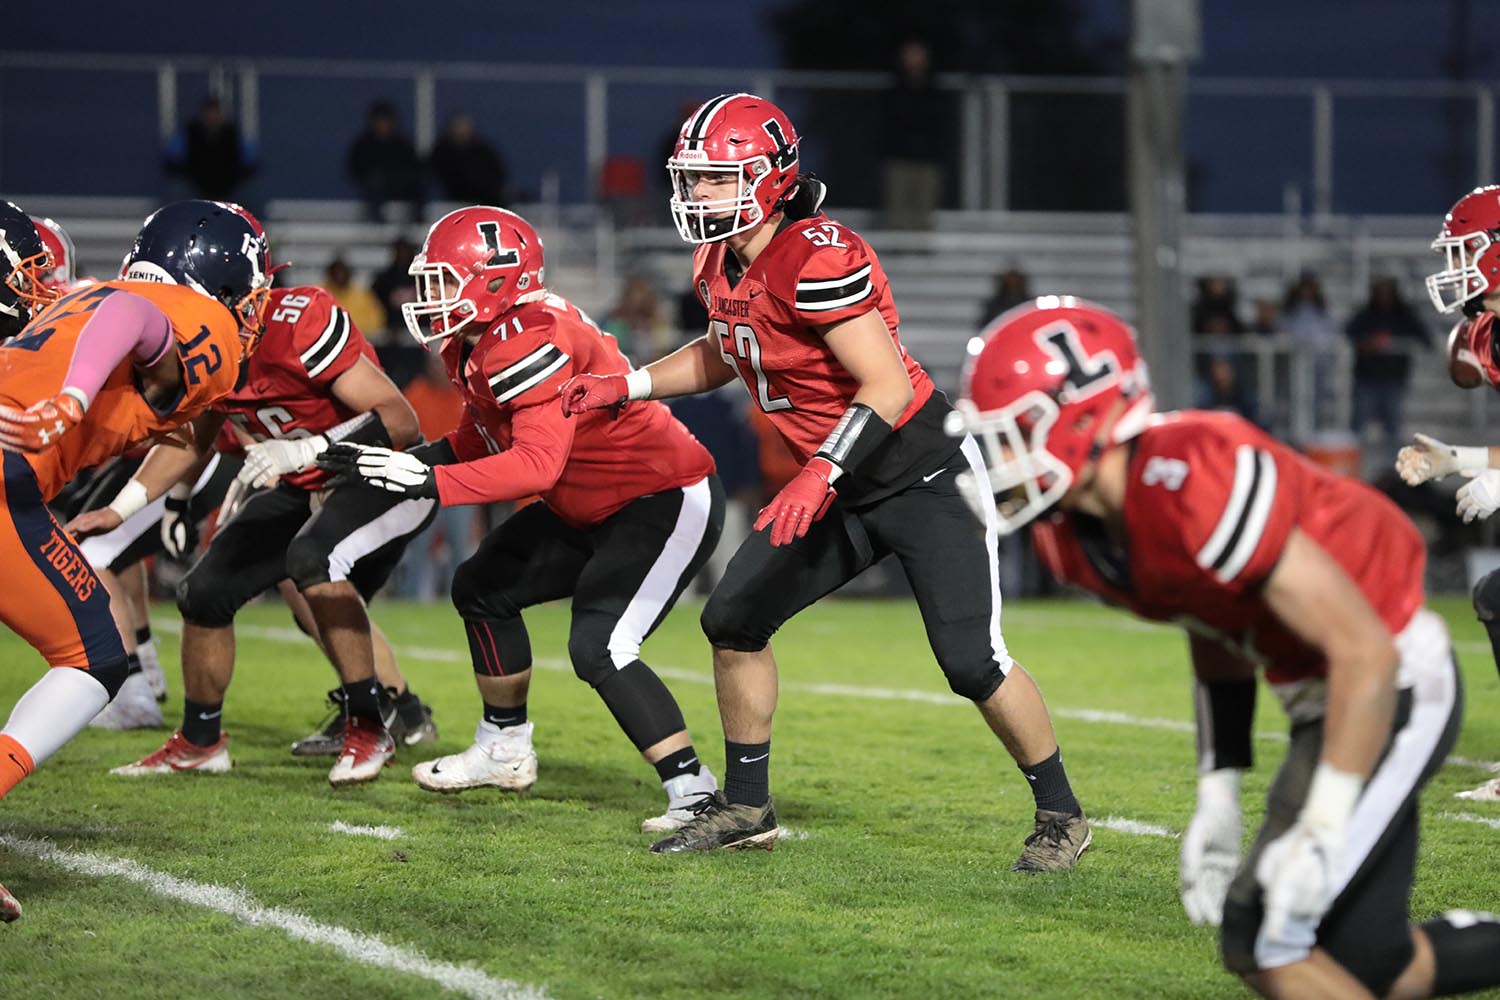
(54, 710)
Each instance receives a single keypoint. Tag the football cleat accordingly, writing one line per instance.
(134, 707)
(328, 739)
(368, 747)
(9, 908)
(1055, 844)
(1487, 792)
(409, 734)
(718, 823)
(683, 792)
(506, 761)
(151, 667)
(177, 754)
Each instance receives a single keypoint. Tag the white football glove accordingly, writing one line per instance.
(1480, 496)
(1430, 458)
(267, 461)
(1211, 847)
(179, 532)
(395, 471)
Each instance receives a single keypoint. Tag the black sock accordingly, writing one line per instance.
(200, 722)
(132, 664)
(143, 635)
(747, 773)
(1465, 952)
(504, 718)
(1492, 629)
(1049, 785)
(362, 700)
(684, 761)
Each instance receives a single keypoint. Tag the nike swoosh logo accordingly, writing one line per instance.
(15, 761)
(436, 769)
(1030, 777)
(688, 763)
(755, 294)
(206, 716)
(928, 479)
(752, 760)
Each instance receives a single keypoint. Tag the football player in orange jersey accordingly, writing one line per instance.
(95, 372)
(1267, 560)
(801, 311)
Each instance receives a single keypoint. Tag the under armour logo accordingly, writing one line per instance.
(57, 430)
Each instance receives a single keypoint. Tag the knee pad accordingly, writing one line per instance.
(972, 680)
(589, 653)
(476, 595)
(205, 601)
(111, 674)
(306, 562)
(1487, 597)
(1375, 964)
(1465, 944)
(728, 625)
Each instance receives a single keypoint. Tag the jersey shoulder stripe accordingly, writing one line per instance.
(1244, 518)
(329, 345)
(533, 368)
(826, 295)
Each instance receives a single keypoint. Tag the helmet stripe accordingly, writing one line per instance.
(696, 132)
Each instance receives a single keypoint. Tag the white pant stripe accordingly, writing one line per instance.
(662, 579)
(972, 452)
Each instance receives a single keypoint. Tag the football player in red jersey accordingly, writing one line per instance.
(314, 381)
(92, 374)
(1470, 281)
(631, 508)
(1202, 519)
(801, 311)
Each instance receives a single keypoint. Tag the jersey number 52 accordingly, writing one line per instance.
(746, 345)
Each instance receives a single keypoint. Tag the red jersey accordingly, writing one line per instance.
(34, 364)
(514, 433)
(1209, 503)
(813, 273)
(287, 388)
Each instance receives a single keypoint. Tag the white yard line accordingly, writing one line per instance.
(381, 832)
(1121, 825)
(364, 949)
(1493, 822)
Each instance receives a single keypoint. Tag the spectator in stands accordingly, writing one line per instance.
(637, 323)
(469, 168)
(916, 140)
(210, 153)
(383, 164)
(358, 301)
(1012, 288)
(1385, 331)
(428, 564)
(1304, 317)
(1222, 389)
(1216, 309)
(1267, 318)
(394, 285)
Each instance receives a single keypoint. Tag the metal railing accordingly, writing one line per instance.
(595, 111)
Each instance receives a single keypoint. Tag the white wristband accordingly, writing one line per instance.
(638, 384)
(180, 491)
(1470, 458)
(131, 498)
(1331, 797)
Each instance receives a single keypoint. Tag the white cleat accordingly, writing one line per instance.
(177, 755)
(498, 758)
(151, 667)
(1487, 792)
(134, 707)
(683, 792)
(368, 747)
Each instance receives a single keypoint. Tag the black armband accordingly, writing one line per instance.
(367, 428)
(438, 452)
(855, 437)
(1226, 712)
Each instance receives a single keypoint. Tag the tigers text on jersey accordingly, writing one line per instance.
(287, 388)
(1209, 504)
(517, 442)
(814, 273)
(34, 364)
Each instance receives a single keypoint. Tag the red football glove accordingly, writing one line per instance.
(592, 392)
(801, 502)
(40, 425)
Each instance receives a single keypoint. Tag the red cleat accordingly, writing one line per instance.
(9, 908)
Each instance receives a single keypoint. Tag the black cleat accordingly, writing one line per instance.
(328, 739)
(718, 823)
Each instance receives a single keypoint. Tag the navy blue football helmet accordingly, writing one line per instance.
(213, 247)
(24, 261)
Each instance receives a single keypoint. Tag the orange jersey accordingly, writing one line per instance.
(35, 363)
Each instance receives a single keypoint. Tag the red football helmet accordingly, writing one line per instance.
(1038, 384)
(63, 276)
(475, 264)
(1470, 241)
(739, 135)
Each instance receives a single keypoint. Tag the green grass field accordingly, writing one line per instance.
(905, 816)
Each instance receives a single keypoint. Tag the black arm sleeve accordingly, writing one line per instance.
(367, 428)
(855, 437)
(438, 452)
(1225, 711)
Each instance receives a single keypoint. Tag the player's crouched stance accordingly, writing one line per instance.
(630, 510)
(1200, 518)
